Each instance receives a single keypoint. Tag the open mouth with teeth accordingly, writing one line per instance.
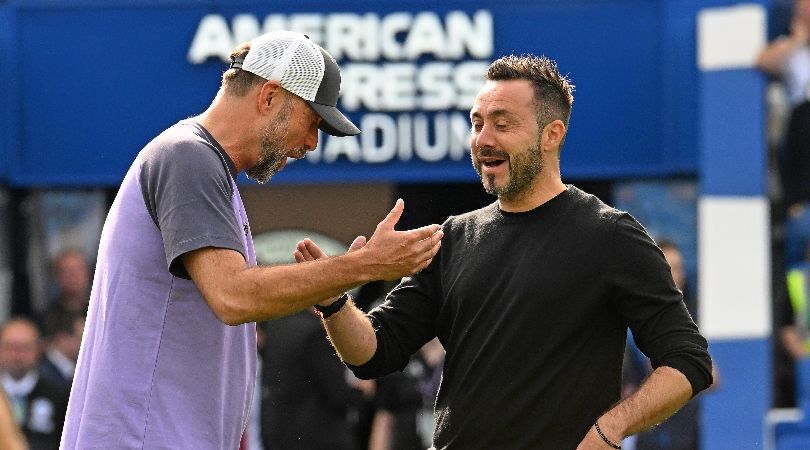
(492, 162)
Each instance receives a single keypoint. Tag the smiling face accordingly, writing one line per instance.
(505, 139)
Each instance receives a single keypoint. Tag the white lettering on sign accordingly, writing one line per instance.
(433, 86)
(386, 139)
(213, 38)
(415, 73)
(396, 36)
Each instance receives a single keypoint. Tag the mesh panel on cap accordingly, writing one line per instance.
(289, 58)
(304, 74)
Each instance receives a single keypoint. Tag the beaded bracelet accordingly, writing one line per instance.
(605, 438)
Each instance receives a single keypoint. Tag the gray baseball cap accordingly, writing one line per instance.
(305, 69)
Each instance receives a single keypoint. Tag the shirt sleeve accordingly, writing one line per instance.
(404, 322)
(188, 193)
(646, 296)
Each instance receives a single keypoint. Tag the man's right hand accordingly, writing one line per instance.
(390, 254)
(394, 254)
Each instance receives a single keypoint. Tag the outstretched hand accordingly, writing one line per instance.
(395, 254)
(391, 254)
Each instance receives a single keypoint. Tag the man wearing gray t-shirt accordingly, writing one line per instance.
(168, 356)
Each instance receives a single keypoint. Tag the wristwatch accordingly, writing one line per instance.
(337, 305)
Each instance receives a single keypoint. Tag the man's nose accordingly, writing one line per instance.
(483, 138)
(311, 141)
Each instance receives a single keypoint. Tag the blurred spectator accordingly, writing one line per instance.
(39, 406)
(791, 323)
(674, 257)
(788, 56)
(363, 418)
(795, 334)
(432, 355)
(682, 430)
(307, 397)
(404, 403)
(788, 59)
(397, 403)
(11, 438)
(73, 282)
(790, 268)
(63, 341)
(795, 156)
(797, 234)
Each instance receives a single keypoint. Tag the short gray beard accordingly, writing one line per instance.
(272, 150)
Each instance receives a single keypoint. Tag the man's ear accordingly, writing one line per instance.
(553, 134)
(269, 92)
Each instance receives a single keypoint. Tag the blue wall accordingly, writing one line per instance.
(8, 107)
(97, 80)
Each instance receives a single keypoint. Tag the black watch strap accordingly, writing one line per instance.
(336, 306)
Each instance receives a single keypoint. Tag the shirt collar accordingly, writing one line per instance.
(65, 366)
(21, 387)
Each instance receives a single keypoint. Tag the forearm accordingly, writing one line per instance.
(793, 342)
(239, 294)
(291, 288)
(664, 392)
(774, 56)
(352, 335)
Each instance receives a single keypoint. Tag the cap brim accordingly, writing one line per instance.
(333, 121)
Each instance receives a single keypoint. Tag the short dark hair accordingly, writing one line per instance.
(553, 92)
(238, 82)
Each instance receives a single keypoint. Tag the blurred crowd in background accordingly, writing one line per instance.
(786, 64)
(306, 399)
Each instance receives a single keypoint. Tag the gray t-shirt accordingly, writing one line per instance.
(157, 368)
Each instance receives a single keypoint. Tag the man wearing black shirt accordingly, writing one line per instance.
(532, 295)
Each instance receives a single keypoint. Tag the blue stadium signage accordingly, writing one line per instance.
(87, 84)
(409, 77)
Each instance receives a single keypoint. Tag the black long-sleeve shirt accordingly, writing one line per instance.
(533, 309)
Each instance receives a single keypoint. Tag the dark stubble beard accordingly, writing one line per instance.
(524, 167)
(272, 150)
